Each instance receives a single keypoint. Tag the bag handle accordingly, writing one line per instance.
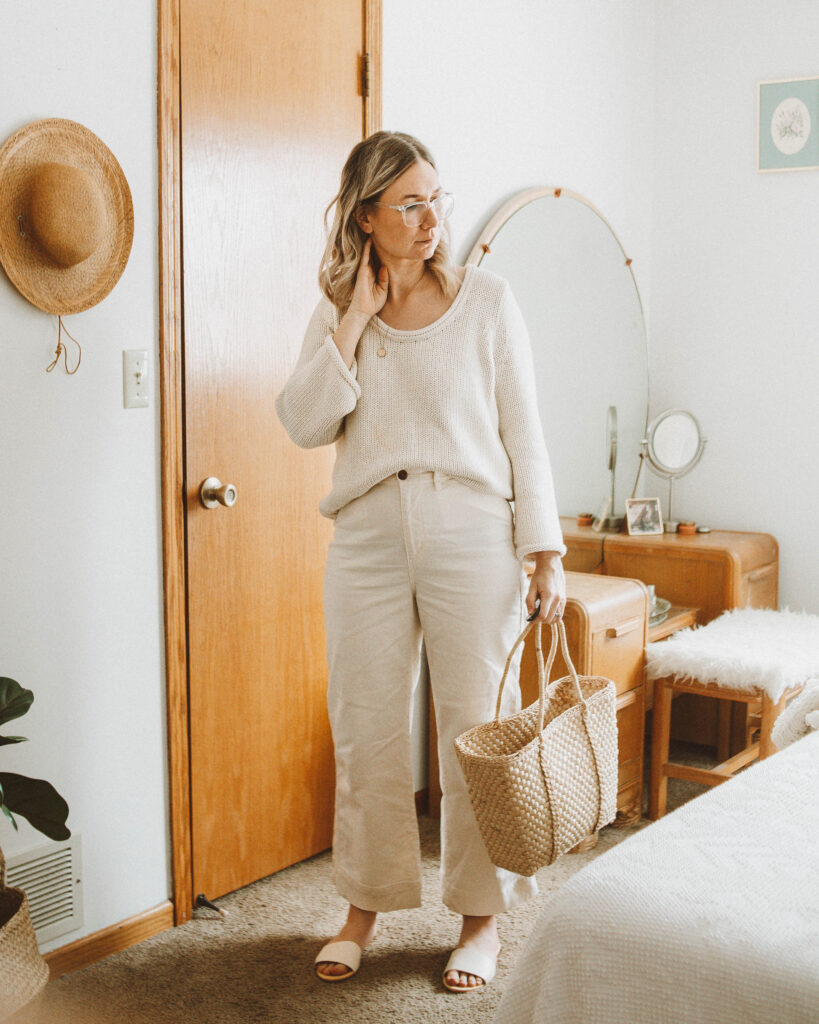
(544, 676)
(515, 646)
(543, 673)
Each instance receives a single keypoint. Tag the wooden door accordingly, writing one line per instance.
(270, 106)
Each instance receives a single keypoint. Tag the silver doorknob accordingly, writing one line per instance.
(213, 492)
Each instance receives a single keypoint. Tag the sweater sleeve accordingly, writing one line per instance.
(321, 391)
(537, 525)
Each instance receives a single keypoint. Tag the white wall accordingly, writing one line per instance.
(735, 279)
(80, 600)
(539, 92)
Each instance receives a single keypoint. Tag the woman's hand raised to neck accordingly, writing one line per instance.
(403, 277)
(422, 304)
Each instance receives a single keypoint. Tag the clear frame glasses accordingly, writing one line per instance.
(414, 214)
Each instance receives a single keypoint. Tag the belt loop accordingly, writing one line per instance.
(435, 479)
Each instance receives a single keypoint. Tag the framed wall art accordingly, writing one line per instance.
(788, 125)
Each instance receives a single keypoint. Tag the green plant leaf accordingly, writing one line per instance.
(9, 815)
(4, 740)
(38, 801)
(14, 700)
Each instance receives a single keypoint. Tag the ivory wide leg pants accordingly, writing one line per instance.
(421, 557)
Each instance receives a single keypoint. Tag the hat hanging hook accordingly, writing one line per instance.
(62, 350)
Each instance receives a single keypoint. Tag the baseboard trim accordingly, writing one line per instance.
(113, 939)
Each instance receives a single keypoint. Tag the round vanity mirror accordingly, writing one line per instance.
(673, 446)
(675, 443)
(575, 287)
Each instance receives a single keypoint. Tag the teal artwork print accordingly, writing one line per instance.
(789, 125)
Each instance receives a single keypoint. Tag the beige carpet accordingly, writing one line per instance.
(255, 964)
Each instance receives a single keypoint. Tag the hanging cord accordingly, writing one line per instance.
(63, 351)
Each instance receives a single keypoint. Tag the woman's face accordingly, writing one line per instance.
(393, 239)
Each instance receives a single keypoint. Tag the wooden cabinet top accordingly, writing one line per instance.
(751, 549)
(592, 589)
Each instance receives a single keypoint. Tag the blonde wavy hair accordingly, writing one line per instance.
(372, 166)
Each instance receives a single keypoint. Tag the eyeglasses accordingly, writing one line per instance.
(414, 214)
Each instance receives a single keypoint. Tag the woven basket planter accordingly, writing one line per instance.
(543, 779)
(23, 972)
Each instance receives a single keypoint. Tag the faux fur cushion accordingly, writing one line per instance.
(746, 649)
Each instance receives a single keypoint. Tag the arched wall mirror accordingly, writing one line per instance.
(576, 289)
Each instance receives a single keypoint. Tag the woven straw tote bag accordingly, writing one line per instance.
(543, 779)
(23, 972)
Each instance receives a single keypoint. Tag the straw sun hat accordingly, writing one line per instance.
(66, 216)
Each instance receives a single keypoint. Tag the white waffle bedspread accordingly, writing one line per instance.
(708, 916)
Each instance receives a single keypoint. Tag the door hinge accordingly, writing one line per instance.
(365, 75)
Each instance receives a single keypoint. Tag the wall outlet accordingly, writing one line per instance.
(135, 378)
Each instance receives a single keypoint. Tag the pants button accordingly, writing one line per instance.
(402, 474)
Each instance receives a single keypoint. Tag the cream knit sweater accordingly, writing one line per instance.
(457, 396)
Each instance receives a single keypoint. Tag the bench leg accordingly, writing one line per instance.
(724, 708)
(660, 737)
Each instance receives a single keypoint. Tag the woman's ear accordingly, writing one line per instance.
(362, 218)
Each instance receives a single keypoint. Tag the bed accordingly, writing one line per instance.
(708, 916)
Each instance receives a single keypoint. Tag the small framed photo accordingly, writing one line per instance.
(643, 516)
(788, 125)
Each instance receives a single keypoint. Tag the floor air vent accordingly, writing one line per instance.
(51, 877)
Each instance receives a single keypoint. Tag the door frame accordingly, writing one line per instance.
(172, 399)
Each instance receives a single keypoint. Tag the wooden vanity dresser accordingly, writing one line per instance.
(709, 573)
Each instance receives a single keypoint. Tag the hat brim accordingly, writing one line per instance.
(46, 285)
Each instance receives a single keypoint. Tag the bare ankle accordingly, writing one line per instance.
(479, 927)
(361, 918)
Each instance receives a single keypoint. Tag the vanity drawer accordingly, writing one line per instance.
(711, 571)
(758, 588)
(617, 652)
(630, 729)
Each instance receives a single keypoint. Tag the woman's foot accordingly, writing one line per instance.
(480, 934)
(359, 928)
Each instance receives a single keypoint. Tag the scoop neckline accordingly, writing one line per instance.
(442, 319)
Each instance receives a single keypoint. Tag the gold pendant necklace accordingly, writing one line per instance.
(382, 351)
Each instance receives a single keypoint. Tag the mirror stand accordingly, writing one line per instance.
(669, 525)
(607, 520)
(673, 446)
(612, 523)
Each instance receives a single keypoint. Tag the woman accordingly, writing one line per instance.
(421, 374)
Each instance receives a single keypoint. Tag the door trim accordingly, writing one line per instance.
(171, 392)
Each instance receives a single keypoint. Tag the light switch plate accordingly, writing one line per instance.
(135, 378)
